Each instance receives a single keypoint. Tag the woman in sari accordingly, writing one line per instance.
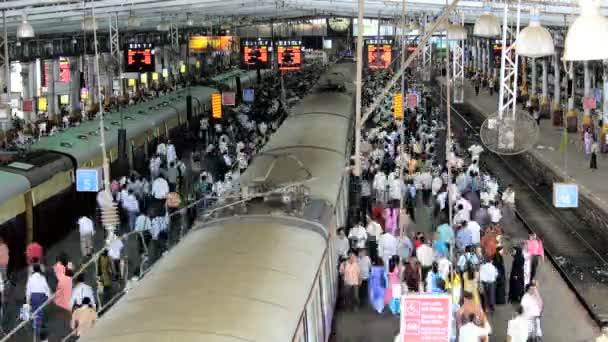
(376, 285)
(392, 294)
(412, 275)
(471, 283)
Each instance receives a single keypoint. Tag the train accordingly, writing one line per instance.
(39, 200)
(270, 271)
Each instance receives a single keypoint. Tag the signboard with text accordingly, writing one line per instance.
(289, 54)
(379, 53)
(255, 52)
(216, 106)
(87, 180)
(140, 58)
(248, 95)
(565, 195)
(398, 106)
(228, 98)
(425, 318)
(64, 70)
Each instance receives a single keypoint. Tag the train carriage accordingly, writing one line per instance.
(270, 274)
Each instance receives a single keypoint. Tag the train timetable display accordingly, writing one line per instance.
(140, 58)
(379, 56)
(255, 53)
(289, 55)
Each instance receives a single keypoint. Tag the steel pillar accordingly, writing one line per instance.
(5, 64)
(458, 70)
(507, 96)
(587, 121)
(605, 97)
(427, 57)
(174, 36)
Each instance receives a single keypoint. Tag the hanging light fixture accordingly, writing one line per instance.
(25, 29)
(89, 24)
(487, 25)
(535, 40)
(457, 31)
(189, 21)
(163, 26)
(414, 26)
(587, 35)
(133, 21)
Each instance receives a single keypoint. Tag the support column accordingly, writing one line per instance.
(571, 115)
(524, 79)
(4, 59)
(534, 84)
(74, 86)
(587, 120)
(27, 93)
(558, 113)
(603, 144)
(545, 105)
(478, 56)
(51, 97)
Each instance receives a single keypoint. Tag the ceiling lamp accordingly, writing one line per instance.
(535, 40)
(457, 32)
(25, 29)
(89, 24)
(190, 22)
(486, 25)
(587, 33)
(133, 21)
(414, 26)
(163, 26)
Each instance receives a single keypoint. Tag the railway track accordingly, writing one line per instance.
(579, 251)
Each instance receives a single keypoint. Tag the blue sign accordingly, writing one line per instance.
(248, 95)
(565, 195)
(87, 180)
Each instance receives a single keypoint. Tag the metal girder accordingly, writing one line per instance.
(507, 97)
(174, 36)
(458, 72)
(114, 38)
(5, 65)
(427, 56)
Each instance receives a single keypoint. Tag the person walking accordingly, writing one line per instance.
(517, 328)
(352, 280)
(488, 274)
(84, 317)
(593, 158)
(86, 230)
(392, 295)
(377, 286)
(365, 265)
(412, 275)
(537, 252)
(516, 280)
(37, 291)
(501, 280)
(105, 274)
(4, 259)
(532, 305)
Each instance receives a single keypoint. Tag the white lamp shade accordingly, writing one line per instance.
(163, 26)
(457, 32)
(486, 26)
(89, 24)
(534, 41)
(587, 35)
(25, 30)
(189, 22)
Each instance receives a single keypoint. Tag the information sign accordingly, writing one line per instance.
(565, 195)
(379, 53)
(87, 180)
(228, 98)
(42, 104)
(248, 95)
(140, 58)
(216, 106)
(398, 106)
(425, 318)
(27, 106)
(64, 70)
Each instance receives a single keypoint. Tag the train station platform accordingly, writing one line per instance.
(366, 325)
(570, 165)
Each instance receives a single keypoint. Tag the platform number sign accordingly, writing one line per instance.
(87, 180)
(248, 95)
(565, 195)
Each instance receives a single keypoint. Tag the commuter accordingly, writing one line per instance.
(4, 259)
(114, 252)
(439, 247)
(536, 251)
(105, 273)
(35, 262)
(425, 256)
(516, 281)
(131, 206)
(143, 225)
(171, 154)
(81, 291)
(37, 291)
(495, 213)
(392, 295)
(86, 230)
(412, 275)
(160, 188)
(593, 156)
(488, 275)
(377, 285)
(33, 250)
(84, 317)
(155, 164)
(365, 265)
(358, 236)
(469, 306)
(517, 328)
(532, 305)
(470, 279)
(387, 247)
(342, 244)
(432, 277)
(405, 247)
(391, 216)
(351, 272)
(471, 332)
(446, 234)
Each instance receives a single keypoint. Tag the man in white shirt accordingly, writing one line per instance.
(155, 163)
(365, 266)
(86, 230)
(471, 332)
(131, 206)
(342, 245)
(487, 276)
(387, 247)
(171, 153)
(143, 225)
(37, 292)
(517, 329)
(374, 231)
(160, 188)
(358, 235)
(380, 186)
(475, 229)
(161, 150)
(81, 291)
(114, 251)
(426, 256)
(532, 305)
(395, 188)
(495, 214)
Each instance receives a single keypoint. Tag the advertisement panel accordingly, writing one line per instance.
(425, 318)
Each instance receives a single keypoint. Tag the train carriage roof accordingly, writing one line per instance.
(12, 185)
(83, 142)
(238, 279)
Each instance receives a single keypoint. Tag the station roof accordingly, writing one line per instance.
(63, 16)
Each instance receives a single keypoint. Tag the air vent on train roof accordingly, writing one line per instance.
(141, 112)
(93, 133)
(115, 123)
(128, 117)
(66, 144)
(83, 137)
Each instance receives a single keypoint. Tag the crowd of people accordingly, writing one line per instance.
(384, 256)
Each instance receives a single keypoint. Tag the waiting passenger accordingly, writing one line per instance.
(84, 317)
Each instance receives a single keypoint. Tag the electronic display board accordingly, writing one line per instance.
(64, 70)
(255, 53)
(289, 54)
(140, 57)
(379, 53)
